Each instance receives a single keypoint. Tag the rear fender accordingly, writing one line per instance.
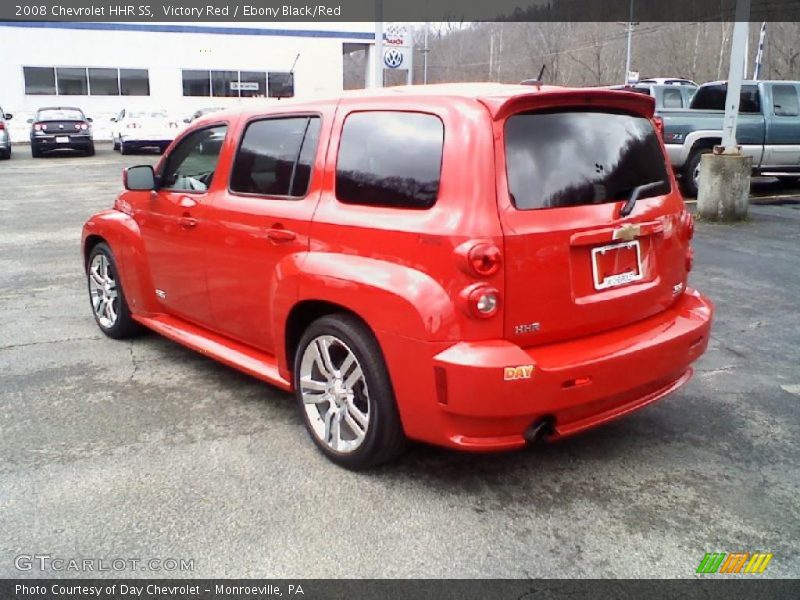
(121, 233)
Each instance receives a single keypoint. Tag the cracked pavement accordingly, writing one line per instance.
(145, 449)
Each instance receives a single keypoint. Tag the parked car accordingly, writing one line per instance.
(135, 129)
(667, 81)
(201, 113)
(5, 138)
(60, 128)
(476, 266)
(666, 95)
(768, 129)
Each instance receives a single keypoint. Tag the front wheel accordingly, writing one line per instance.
(111, 312)
(345, 394)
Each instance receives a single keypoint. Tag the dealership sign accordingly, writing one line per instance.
(397, 42)
(244, 86)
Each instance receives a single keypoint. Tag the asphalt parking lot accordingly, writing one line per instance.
(143, 449)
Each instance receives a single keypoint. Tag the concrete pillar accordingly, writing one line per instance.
(724, 187)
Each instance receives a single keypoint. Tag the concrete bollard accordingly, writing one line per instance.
(724, 187)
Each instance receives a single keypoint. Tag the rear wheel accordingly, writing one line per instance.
(345, 395)
(6, 154)
(123, 148)
(109, 306)
(90, 150)
(35, 152)
(691, 172)
(115, 144)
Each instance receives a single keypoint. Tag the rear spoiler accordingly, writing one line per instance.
(555, 97)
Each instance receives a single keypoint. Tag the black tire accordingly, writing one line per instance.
(123, 149)
(35, 152)
(6, 154)
(384, 439)
(790, 181)
(115, 144)
(124, 326)
(90, 150)
(690, 187)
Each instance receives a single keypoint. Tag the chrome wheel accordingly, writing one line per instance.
(335, 395)
(103, 291)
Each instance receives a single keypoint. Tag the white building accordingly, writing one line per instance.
(103, 67)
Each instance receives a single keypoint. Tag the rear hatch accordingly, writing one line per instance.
(574, 265)
(62, 121)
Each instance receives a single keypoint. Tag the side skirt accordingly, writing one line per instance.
(239, 356)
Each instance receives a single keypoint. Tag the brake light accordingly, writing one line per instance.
(2, 125)
(81, 126)
(482, 300)
(484, 259)
(39, 126)
(687, 220)
(659, 123)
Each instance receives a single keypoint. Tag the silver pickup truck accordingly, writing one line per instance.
(768, 129)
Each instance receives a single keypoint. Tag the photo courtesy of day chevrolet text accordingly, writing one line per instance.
(169, 11)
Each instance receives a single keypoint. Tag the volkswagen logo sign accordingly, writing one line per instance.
(393, 58)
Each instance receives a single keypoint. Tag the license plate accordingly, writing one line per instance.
(616, 264)
(62, 139)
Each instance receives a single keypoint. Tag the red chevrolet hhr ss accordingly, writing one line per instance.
(476, 266)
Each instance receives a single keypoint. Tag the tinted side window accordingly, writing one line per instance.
(784, 101)
(712, 97)
(276, 156)
(390, 159)
(573, 158)
(191, 165)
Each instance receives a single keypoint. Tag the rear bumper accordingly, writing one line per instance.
(49, 142)
(147, 139)
(473, 403)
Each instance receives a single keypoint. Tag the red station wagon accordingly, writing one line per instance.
(477, 266)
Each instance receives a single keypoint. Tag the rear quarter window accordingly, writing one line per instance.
(572, 158)
(389, 158)
(712, 97)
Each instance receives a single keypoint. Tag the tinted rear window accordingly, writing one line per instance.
(390, 159)
(572, 158)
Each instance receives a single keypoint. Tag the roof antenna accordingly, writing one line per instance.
(538, 81)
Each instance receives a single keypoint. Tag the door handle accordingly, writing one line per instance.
(187, 222)
(187, 202)
(279, 234)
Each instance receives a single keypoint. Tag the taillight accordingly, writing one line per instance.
(81, 126)
(659, 123)
(479, 257)
(2, 125)
(39, 126)
(484, 259)
(482, 301)
(687, 223)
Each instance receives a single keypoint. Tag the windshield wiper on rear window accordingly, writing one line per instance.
(635, 193)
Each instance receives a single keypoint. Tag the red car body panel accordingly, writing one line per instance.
(239, 267)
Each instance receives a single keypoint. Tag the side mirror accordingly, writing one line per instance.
(90, 119)
(113, 119)
(30, 120)
(140, 178)
(8, 116)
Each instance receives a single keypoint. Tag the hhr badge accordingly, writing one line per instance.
(526, 328)
(522, 372)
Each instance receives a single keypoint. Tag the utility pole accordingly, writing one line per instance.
(425, 51)
(725, 174)
(629, 28)
(378, 76)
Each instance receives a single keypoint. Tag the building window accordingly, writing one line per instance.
(196, 83)
(71, 81)
(225, 84)
(134, 82)
(252, 84)
(281, 85)
(86, 81)
(40, 80)
(104, 82)
(237, 84)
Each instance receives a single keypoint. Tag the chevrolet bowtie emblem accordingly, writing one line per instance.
(627, 232)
